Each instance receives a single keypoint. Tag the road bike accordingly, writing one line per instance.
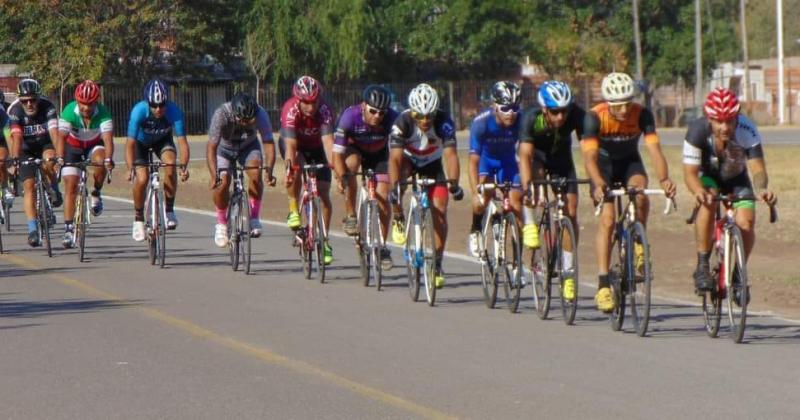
(370, 240)
(155, 211)
(311, 236)
(83, 205)
(45, 217)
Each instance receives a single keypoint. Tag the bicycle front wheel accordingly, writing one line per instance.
(80, 221)
(44, 217)
(161, 231)
(234, 214)
(509, 264)
(429, 257)
(152, 225)
(319, 240)
(375, 244)
(567, 268)
(362, 243)
(618, 280)
(642, 276)
(542, 271)
(244, 233)
(488, 257)
(412, 262)
(738, 294)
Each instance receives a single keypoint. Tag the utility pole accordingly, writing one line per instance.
(637, 40)
(745, 57)
(781, 87)
(698, 54)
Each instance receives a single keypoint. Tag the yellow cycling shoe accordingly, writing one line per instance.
(327, 254)
(530, 235)
(293, 220)
(638, 259)
(604, 300)
(398, 232)
(569, 289)
(438, 280)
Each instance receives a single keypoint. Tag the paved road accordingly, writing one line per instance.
(117, 338)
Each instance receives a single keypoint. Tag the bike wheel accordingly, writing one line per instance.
(80, 222)
(712, 300)
(567, 254)
(738, 290)
(429, 257)
(162, 230)
(618, 279)
(45, 219)
(488, 256)
(412, 262)
(362, 243)
(234, 212)
(7, 214)
(509, 264)
(542, 271)
(375, 244)
(246, 248)
(642, 276)
(319, 240)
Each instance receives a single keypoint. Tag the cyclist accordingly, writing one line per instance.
(233, 135)
(85, 132)
(610, 150)
(493, 153)
(422, 138)
(307, 137)
(153, 122)
(7, 193)
(361, 140)
(546, 148)
(719, 151)
(34, 124)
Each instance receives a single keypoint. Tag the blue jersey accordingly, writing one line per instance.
(489, 139)
(147, 129)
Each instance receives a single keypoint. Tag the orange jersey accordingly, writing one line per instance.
(618, 139)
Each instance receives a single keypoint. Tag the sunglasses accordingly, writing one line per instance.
(557, 111)
(505, 109)
(157, 106)
(375, 111)
(245, 121)
(421, 117)
(28, 101)
(309, 102)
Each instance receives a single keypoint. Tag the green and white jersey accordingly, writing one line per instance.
(71, 122)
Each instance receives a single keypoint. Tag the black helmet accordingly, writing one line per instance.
(244, 106)
(29, 87)
(506, 93)
(377, 96)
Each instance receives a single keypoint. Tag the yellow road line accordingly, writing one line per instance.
(245, 348)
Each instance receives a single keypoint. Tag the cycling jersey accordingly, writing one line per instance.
(551, 141)
(618, 139)
(80, 136)
(34, 129)
(3, 122)
(308, 130)
(225, 132)
(147, 129)
(352, 131)
(699, 149)
(496, 146)
(421, 147)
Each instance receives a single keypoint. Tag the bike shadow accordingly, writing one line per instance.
(10, 308)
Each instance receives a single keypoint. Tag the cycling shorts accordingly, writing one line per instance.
(433, 170)
(503, 169)
(620, 170)
(242, 156)
(33, 149)
(76, 155)
(378, 161)
(141, 150)
(739, 186)
(310, 156)
(558, 166)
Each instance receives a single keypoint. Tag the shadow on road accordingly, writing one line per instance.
(33, 309)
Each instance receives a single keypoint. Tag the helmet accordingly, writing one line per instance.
(618, 87)
(721, 105)
(306, 88)
(87, 92)
(554, 94)
(377, 96)
(28, 87)
(244, 106)
(156, 92)
(506, 93)
(423, 99)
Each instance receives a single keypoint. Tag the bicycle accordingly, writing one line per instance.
(155, 211)
(630, 275)
(420, 249)
(83, 204)
(239, 238)
(370, 240)
(728, 269)
(500, 247)
(5, 208)
(310, 237)
(45, 217)
(557, 255)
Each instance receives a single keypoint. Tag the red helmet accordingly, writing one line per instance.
(306, 89)
(721, 105)
(87, 92)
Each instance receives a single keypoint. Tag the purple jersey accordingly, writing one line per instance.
(353, 131)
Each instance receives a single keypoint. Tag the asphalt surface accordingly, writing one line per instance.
(117, 338)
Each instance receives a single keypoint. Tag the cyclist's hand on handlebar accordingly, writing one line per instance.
(703, 197)
(394, 196)
(769, 197)
(599, 192)
(669, 187)
(457, 192)
(130, 175)
(184, 173)
(271, 180)
(109, 164)
(340, 184)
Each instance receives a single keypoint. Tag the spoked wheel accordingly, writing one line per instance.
(412, 263)
(319, 240)
(80, 223)
(45, 220)
(375, 245)
(510, 262)
(244, 235)
(234, 214)
(738, 294)
(151, 225)
(567, 268)
(162, 230)
(362, 244)
(7, 214)
(712, 311)
(488, 255)
(643, 276)
(429, 258)
(618, 279)
(541, 270)
(307, 240)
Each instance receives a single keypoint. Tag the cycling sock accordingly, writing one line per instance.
(567, 260)
(139, 215)
(255, 208)
(703, 257)
(292, 205)
(68, 226)
(603, 281)
(31, 225)
(96, 192)
(476, 222)
(170, 204)
(222, 216)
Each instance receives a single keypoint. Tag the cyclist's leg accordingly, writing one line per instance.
(27, 175)
(487, 169)
(48, 153)
(323, 184)
(255, 185)
(139, 187)
(70, 176)
(3, 166)
(636, 176)
(745, 215)
(509, 172)
(167, 153)
(98, 156)
(439, 197)
(605, 230)
(220, 194)
(379, 163)
(352, 162)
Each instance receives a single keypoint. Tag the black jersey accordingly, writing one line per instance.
(34, 128)
(534, 129)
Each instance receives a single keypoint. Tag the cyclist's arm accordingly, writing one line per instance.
(108, 141)
(183, 145)
(60, 140)
(138, 113)
(452, 166)
(475, 150)
(211, 158)
(16, 141)
(758, 167)
(130, 151)
(647, 123)
(176, 116)
(659, 161)
(267, 142)
(526, 151)
(395, 165)
(590, 144)
(692, 159)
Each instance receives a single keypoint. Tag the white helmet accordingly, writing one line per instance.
(618, 87)
(423, 99)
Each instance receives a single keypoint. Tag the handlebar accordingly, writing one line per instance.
(729, 198)
(633, 191)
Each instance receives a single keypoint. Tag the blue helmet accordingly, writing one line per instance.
(156, 92)
(554, 94)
